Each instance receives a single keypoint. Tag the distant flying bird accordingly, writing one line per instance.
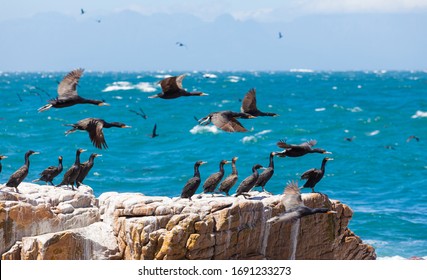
(412, 137)
(172, 88)
(19, 175)
(280, 35)
(67, 93)
(98, 20)
(94, 127)
(82, 11)
(249, 105)
(349, 139)
(226, 120)
(314, 175)
(294, 206)
(291, 150)
(140, 113)
(51, 172)
(179, 44)
(154, 133)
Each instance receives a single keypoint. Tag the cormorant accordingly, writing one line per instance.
(154, 133)
(71, 175)
(231, 179)
(412, 137)
(280, 35)
(299, 150)
(226, 120)
(249, 105)
(266, 175)
(94, 127)
(1, 157)
(213, 180)
(172, 88)
(294, 206)
(313, 176)
(193, 183)
(51, 172)
(140, 113)
(247, 184)
(67, 93)
(85, 167)
(19, 175)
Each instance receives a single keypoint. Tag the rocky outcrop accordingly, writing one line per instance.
(65, 224)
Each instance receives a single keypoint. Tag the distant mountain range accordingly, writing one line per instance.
(129, 41)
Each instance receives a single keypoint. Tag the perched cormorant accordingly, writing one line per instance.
(71, 175)
(67, 93)
(266, 175)
(249, 105)
(94, 127)
(19, 175)
(247, 184)
(51, 172)
(313, 176)
(85, 167)
(193, 183)
(213, 180)
(172, 88)
(1, 157)
(231, 179)
(299, 150)
(294, 206)
(226, 120)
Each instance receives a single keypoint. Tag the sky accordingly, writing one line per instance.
(218, 34)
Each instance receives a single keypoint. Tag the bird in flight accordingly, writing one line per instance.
(280, 35)
(82, 11)
(140, 113)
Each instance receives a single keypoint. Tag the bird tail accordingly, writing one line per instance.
(45, 108)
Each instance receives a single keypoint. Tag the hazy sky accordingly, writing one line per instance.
(262, 10)
(124, 35)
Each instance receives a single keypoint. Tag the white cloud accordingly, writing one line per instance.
(349, 6)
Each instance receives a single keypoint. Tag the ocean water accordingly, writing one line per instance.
(379, 174)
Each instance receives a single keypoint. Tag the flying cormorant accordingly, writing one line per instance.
(94, 127)
(298, 150)
(71, 175)
(313, 176)
(85, 167)
(1, 157)
(294, 206)
(249, 105)
(213, 180)
(172, 88)
(51, 172)
(247, 184)
(266, 175)
(67, 93)
(193, 183)
(231, 179)
(19, 175)
(226, 120)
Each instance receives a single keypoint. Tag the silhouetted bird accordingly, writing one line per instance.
(231, 179)
(71, 175)
(247, 184)
(85, 167)
(299, 150)
(140, 113)
(1, 157)
(179, 44)
(193, 183)
(226, 120)
(294, 206)
(213, 180)
(313, 176)
(412, 137)
(19, 175)
(172, 88)
(280, 35)
(67, 93)
(266, 175)
(94, 127)
(51, 172)
(82, 12)
(154, 133)
(249, 105)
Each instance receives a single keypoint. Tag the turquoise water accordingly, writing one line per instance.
(380, 175)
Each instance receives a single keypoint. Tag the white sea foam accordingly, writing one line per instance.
(355, 109)
(375, 132)
(200, 129)
(302, 70)
(254, 138)
(210, 76)
(235, 79)
(123, 85)
(320, 109)
(419, 114)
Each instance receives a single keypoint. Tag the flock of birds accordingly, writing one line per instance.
(225, 120)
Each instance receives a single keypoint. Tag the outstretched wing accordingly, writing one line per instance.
(249, 102)
(68, 86)
(292, 196)
(172, 84)
(309, 173)
(96, 134)
(228, 124)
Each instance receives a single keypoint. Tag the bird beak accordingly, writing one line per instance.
(204, 94)
(125, 126)
(251, 117)
(204, 120)
(204, 162)
(330, 159)
(36, 153)
(98, 155)
(327, 152)
(103, 104)
(3, 157)
(83, 150)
